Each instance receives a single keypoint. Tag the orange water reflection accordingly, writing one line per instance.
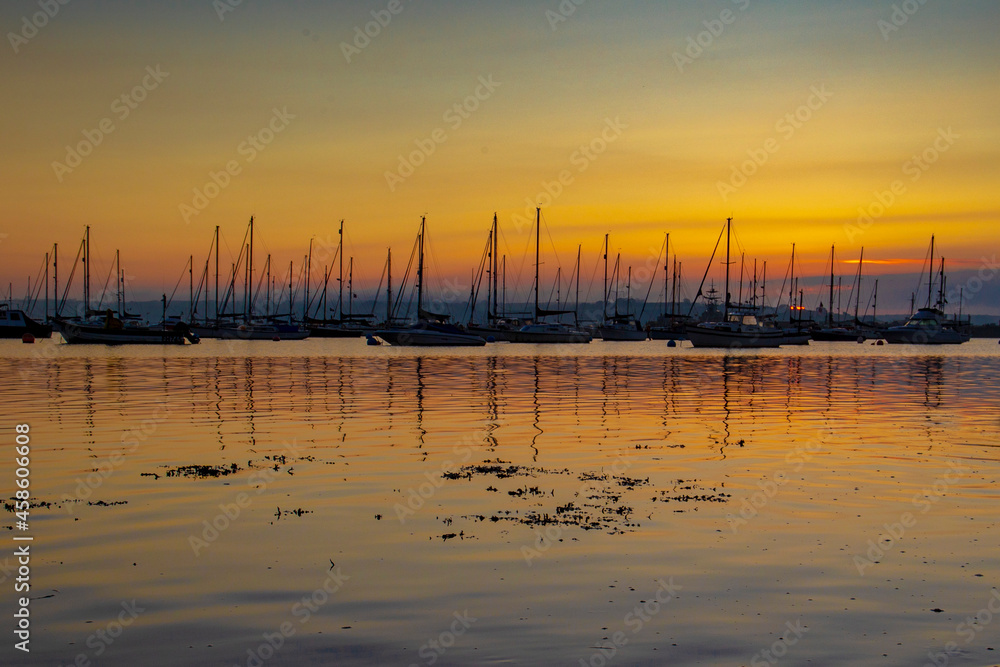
(755, 482)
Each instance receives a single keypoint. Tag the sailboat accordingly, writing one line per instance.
(245, 325)
(108, 327)
(929, 326)
(794, 331)
(671, 324)
(620, 326)
(115, 331)
(496, 327)
(546, 332)
(431, 329)
(739, 328)
(842, 332)
(346, 325)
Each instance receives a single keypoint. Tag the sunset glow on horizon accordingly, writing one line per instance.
(818, 124)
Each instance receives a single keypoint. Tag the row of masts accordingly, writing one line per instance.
(494, 267)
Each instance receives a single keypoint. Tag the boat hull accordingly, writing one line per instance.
(796, 338)
(335, 332)
(712, 337)
(550, 337)
(15, 323)
(429, 336)
(907, 336)
(839, 336)
(666, 334)
(498, 335)
(250, 333)
(87, 335)
(621, 335)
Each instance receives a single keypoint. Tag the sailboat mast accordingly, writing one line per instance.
(840, 294)
(191, 288)
(496, 251)
(930, 275)
(666, 275)
(350, 288)
(309, 263)
(246, 285)
(55, 279)
(605, 302)
(743, 259)
(829, 318)
(388, 289)
(250, 276)
(857, 302)
(791, 287)
(763, 285)
(489, 281)
(503, 312)
(86, 273)
(558, 286)
(289, 292)
(538, 236)
(340, 279)
(628, 293)
(576, 307)
(875, 303)
(46, 286)
(941, 288)
(216, 275)
(729, 225)
(420, 267)
(673, 288)
(118, 282)
(616, 277)
(207, 260)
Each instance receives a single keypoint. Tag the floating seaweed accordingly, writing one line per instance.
(604, 501)
(203, 471)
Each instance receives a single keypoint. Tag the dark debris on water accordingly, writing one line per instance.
(203, 471)
(603, 501)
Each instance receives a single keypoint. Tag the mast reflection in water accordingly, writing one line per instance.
(543, 495)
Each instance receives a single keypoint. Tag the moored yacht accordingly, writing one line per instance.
(431, 329)
(546, 332)
(929, 325)
(15, 323)
(739, 327)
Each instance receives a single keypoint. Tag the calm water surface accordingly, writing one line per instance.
(324, 502)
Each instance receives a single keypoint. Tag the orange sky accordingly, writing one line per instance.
(792, 118)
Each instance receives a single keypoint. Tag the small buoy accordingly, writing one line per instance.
(372, 341)
(276, 338)
(880, 342)
(671, 343)
(491, 339)
(861, 339)
(27, 338)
